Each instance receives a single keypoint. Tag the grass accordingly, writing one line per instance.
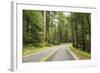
(28, 50)
(79, 53)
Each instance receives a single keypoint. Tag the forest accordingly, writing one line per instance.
(50, 28)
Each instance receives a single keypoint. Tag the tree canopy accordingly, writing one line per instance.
(45, 28)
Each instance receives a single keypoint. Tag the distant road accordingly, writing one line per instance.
(58, 53)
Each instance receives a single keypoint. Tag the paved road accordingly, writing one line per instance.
(58, 53)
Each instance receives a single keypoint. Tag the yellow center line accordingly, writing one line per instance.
(39, 51)
(48, 56)
(35, 53)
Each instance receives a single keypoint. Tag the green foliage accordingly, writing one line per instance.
(32, 27)
(47, 28)
(27, 38)
(81, 30)
(79, 53)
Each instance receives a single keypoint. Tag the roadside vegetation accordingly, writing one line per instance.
(31, 49)
(43, 29)
(81, 55)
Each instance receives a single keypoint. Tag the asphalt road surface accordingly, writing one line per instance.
(58, 53)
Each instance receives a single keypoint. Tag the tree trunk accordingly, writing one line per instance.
(76, 45)
(27, 25)
(73, 34)
(45, 27)
(83, 36)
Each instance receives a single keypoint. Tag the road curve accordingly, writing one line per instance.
(61, 54)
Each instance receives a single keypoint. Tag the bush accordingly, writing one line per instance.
(27, 38)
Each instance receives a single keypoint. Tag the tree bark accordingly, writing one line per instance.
(83, 36)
